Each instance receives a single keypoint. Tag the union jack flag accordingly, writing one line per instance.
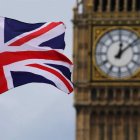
(30, 53)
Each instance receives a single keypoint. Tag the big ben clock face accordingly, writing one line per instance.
(118, 53)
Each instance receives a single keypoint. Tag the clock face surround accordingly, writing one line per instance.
(117, 53)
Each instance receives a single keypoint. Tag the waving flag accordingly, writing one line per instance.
(24, 36)
(30, 53)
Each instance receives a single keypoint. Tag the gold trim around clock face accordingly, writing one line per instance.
(98, 32)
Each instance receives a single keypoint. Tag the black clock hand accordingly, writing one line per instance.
(120, 46)
(121, 51)
(130, 44)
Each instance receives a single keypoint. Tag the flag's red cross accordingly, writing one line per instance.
(11, 57)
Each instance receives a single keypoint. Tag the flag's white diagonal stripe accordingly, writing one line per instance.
(25, 34)
(58, 30)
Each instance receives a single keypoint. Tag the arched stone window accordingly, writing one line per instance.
(96, 5)
(127, 94)
(104, 6)
(113, 3)
(127, 126)
(94, 94)
(135, 125)
(110, 94)
(110, 126)
(138, 5)
(94, 125)
(102, 126)
(121, 5)
(129, 5)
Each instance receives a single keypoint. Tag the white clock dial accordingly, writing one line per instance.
(118, 53)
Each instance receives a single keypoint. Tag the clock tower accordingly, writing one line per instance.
(106, 56)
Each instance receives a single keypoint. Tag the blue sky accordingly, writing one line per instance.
(38, 111)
